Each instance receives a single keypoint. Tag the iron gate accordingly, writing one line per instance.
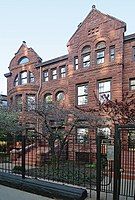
(116, 164)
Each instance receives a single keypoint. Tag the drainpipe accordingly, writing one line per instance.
(40, 87)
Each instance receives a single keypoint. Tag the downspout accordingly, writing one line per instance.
(40, 87)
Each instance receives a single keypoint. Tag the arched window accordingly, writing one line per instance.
(16, 82)
(23, 60)
(86, 56)
(100, 52)
(60, 96)
(48, 98)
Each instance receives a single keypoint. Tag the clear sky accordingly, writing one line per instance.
(47, 25)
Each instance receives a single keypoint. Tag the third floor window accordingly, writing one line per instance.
(54, 74)
(45, 76)
(63, 71)
(100, 52)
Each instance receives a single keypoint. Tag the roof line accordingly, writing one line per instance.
(54, 60)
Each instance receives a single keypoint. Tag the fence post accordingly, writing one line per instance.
(98, 166)
(117, 163)
(23, 155)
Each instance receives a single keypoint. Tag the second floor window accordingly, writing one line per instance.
(63, 71)
(45, 76)
(132, 84)
(31, 77)
(54, 74)
(104, 90)
(82, 94)
(31, 102)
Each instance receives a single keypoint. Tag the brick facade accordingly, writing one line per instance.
(96, 27)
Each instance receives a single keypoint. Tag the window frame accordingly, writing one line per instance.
(86, 63)
(54, 74)
(62, 74)
(133, 53)
(19, 102)
(105, 92)
(45, 78)
(29, 106)
(112, 54)
(58, 93)
(131, 85)
(82, 139)
(26, 60)
(84, 95)
(76, 64)
(47, 95)
(100, 48)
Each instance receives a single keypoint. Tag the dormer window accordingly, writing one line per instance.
(23, 60)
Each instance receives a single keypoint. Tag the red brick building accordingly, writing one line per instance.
(100, 58)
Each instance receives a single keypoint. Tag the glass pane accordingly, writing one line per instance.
(23, 74)
(132, 82)
(86, 58)
(82, 90)
(60, 96)
(63, 70)
(100, 54)
(30, 102)
(104, 86)
(24, 81)
(48, 98)
(82, 100)
(23, 60)
(82, 135)
(132, 87)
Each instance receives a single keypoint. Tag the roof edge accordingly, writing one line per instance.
(54, 60)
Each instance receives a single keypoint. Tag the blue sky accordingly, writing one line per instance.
(47, 25)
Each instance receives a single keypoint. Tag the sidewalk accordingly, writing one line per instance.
(7, 193)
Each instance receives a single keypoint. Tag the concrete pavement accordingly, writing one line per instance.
(7, 193)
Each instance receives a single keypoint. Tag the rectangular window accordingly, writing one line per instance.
(133, 49)
(86, 60)
(63, 71)
(100, 56)
(76, 63)
(54, 74)
(132, 84)
(82, 94)
(18, 102)
(104, 90)
(82, 135)
(31, 77)
(23, 78)
(31, 103)
(112, 53)
(45, 76)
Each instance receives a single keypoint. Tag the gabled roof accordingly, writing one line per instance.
(94, 10)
